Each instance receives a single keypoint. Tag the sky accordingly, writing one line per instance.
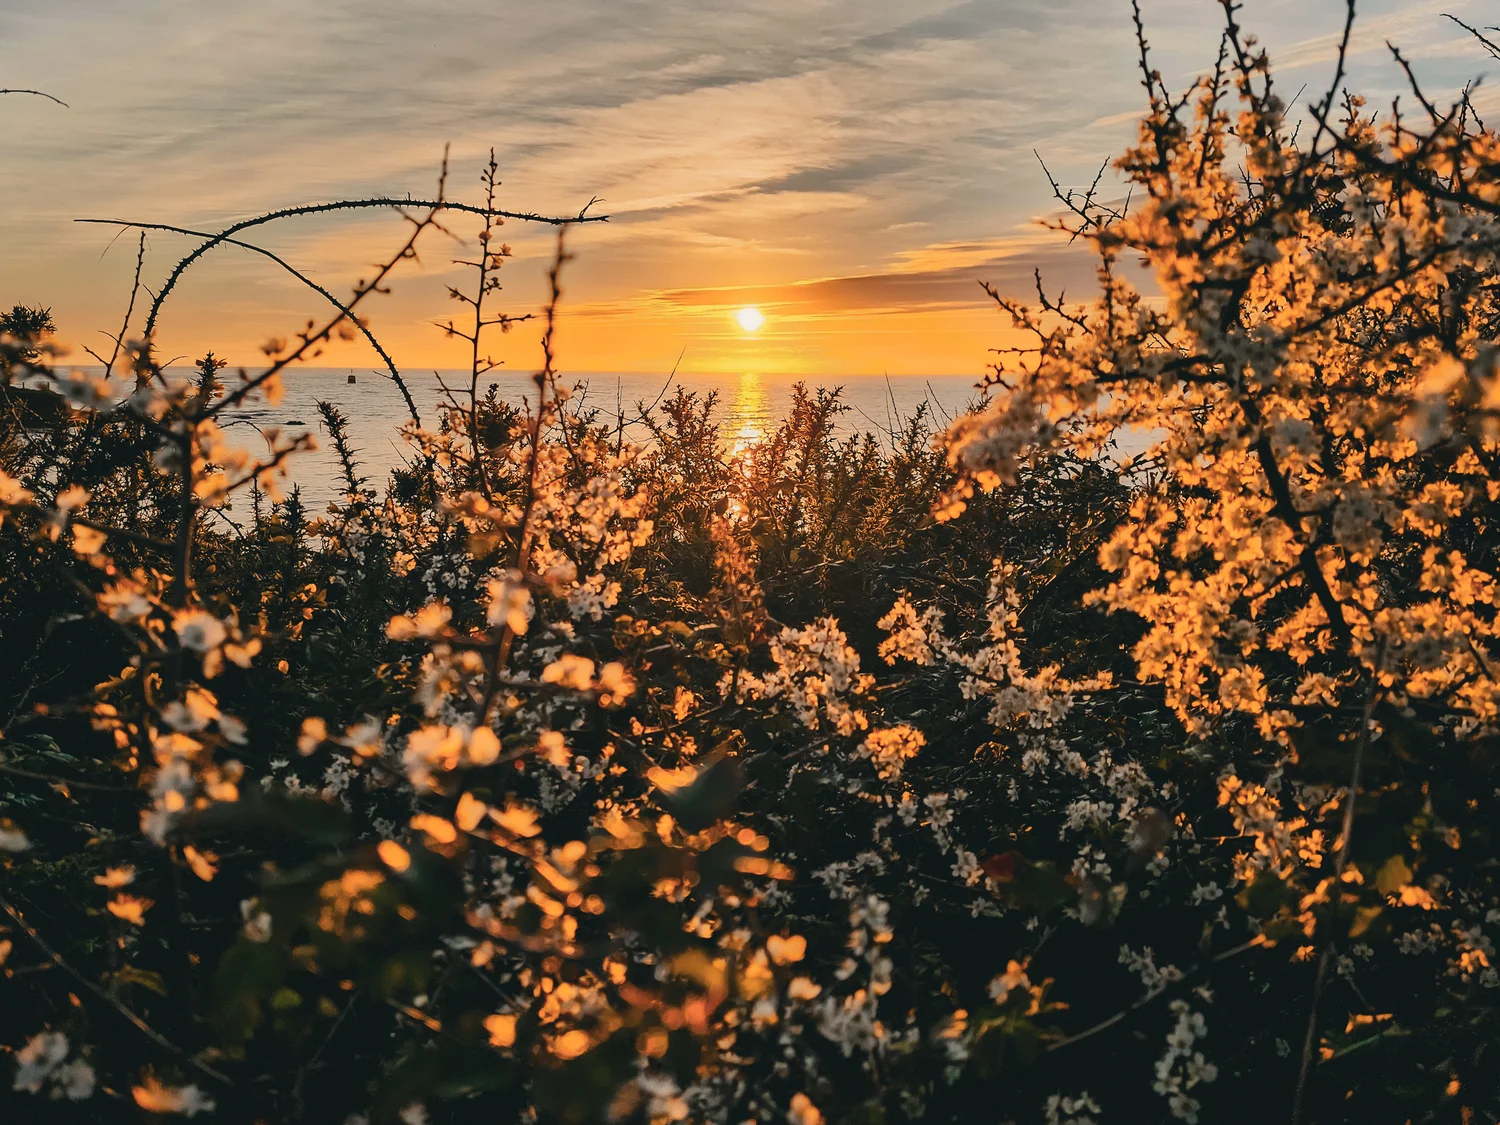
(852, 168)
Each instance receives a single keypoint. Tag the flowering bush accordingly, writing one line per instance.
(568, 778)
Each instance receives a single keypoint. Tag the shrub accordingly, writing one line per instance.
(566, 778)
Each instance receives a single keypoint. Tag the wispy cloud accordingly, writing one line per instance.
(828, 157)
(940, 277)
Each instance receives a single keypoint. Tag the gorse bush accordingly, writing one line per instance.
(587, 771)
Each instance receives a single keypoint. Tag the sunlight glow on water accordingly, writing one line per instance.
(749, 407)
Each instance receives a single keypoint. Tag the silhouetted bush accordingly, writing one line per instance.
(591, 771)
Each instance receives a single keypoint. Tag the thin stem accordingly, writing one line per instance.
(390, 364)
(545, 380)
(439, 204)
(39, 94)
(145, 1028)
(1340, 862)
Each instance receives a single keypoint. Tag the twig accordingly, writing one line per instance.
(1322, 109)
(1341, 861)
(306, 1068)
(363, 290)
(341, 205)
(145, 1028)
(16, 771)
(1155, 993)
(545, 379)
(390, 364)
(39, 94)
(135, 289)
(1489, 45)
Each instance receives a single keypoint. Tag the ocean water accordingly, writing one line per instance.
(748, 407)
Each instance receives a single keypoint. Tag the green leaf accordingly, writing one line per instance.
(711, 795)
(285, 999)
(130, 975)
(1393, 875)
(248, 972)
(1363, 918)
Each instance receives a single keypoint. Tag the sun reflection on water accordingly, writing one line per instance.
(751, 412)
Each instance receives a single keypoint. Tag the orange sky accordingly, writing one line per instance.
(851, 167)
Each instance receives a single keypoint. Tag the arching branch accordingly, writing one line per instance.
(38, 94)
(342, 205)
(300, 276)
(1489, 44)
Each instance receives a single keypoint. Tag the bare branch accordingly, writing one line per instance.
(1489, 44)
(385, 357)
(155, 1036)
(39, 94)
(342, 205)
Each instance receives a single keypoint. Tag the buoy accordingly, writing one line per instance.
(351, 378)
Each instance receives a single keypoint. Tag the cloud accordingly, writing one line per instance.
(1370, 35)
(938, 277)
(827, 154)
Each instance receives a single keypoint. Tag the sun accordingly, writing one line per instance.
(749, 319)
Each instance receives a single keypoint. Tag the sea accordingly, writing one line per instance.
(748, 407)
